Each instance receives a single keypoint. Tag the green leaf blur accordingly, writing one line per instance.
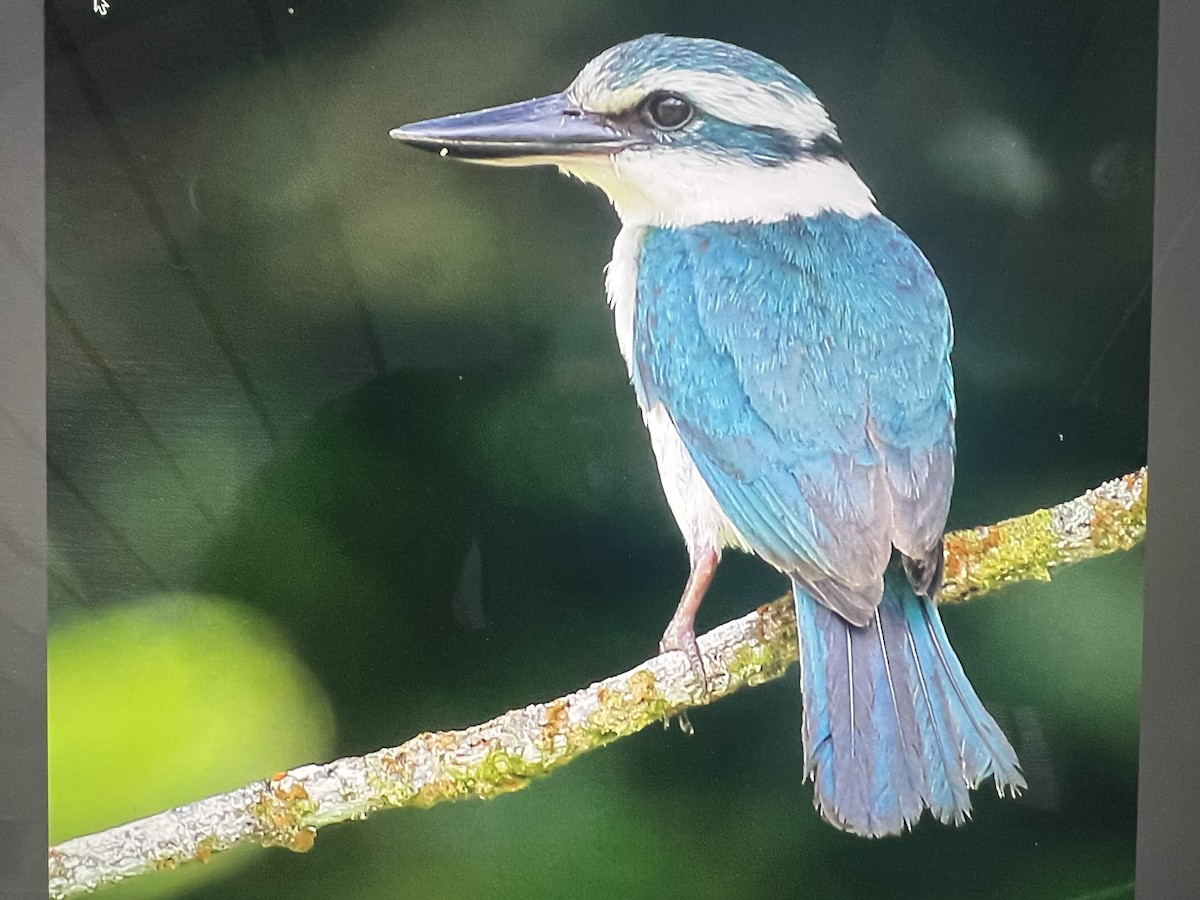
(156, 703)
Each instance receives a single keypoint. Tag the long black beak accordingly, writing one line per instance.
(542, 130)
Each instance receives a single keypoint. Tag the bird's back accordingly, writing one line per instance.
(805, 366)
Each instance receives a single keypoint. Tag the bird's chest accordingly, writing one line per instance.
(700, 518)
(621, 282)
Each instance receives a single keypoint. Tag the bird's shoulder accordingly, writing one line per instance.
(817, 320)
(807, 270)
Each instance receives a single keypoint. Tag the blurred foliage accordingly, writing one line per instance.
(160, 702)
(372, 400)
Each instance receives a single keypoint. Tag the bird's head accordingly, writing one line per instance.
(676, 131)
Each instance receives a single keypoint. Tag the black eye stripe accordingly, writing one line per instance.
(666, 111)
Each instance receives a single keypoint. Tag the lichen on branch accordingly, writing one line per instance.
(504, 754)
(1105, 519)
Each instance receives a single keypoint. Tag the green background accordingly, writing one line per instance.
(341, 448)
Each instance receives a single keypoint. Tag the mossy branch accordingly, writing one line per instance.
(504, 754)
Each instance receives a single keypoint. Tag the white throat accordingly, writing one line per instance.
(691, 188)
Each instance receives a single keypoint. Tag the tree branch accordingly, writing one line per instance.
(504, 754)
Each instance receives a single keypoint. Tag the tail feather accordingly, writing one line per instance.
(892, 726)
(901, 785)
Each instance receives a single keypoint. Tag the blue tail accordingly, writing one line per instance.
(892, 727)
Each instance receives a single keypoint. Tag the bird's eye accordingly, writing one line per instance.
(667, 111)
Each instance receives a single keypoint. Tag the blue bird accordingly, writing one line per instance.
(789, 347)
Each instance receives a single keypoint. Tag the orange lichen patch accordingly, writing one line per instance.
(390, 762)
(205, 848)
(1119, 523)
(642, 686)
(432, 792)
(623, 712)
(776, 620)
(965, 550)
(957, 560)
(282, 811)
(1110, 518)
(982, 559)
(1131, 480)
(496, 771)
(304, 839)
(555, 727)
(288, 791)
(392, 777)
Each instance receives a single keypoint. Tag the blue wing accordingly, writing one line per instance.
(805, 364)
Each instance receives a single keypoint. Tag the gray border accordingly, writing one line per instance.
(1168, 865)
(22, 456)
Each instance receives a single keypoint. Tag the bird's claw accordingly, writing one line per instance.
(683, 639)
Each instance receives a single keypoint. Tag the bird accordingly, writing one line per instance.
(789, 349)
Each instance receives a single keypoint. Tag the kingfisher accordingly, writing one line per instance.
(789, 349)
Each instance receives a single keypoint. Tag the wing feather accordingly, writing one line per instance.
(805, 365)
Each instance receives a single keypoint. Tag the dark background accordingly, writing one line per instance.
(341, 449)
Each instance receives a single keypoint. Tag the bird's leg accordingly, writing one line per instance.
(681, 630)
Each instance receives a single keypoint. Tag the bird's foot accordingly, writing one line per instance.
(681, 636)
(681, 632)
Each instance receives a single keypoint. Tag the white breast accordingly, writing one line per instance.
(702, 521)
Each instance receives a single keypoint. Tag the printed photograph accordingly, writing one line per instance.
(599, 449)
